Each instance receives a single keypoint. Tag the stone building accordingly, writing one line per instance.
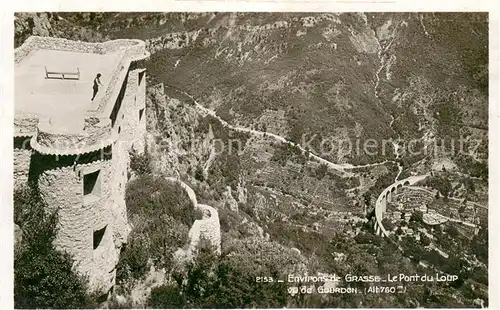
(76, 150)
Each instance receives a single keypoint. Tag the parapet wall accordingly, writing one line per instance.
(207, 228)
(22, 159)
(135, 49)
(70, 136)
(25, 124)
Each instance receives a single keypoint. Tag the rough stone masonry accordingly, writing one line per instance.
(77, 150)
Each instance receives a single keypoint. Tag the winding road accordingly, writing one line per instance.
(339, 167)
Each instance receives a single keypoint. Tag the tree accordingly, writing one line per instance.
(43, 276)
(417, 217)
(424, 240)
(321, 171)
(479, 245)
(452, 231)
(469, 184)
(367, 198)
(140, 163)
(437, 195)
(442, 184)
(388, 224)
(399, 231)
(198, 175)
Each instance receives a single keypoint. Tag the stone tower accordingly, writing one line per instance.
(76, 150)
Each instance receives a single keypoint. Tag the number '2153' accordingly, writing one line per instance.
(264, 279)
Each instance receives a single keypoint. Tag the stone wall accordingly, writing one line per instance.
(134, 49)
(22, 158)
(139, 143)
(128, 118)
(79, 216)
(128, 128)
(61, 179)
(25, 124)
(75, 135)
(120, 163)
(36, 43)
(207, 228)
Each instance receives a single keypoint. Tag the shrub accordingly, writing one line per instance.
(133, 261)
(321, 171)
(167, 296)
(198, 174)
(198, 214)
(442, 184)
(161, 214)
(140, 163)
(229, 281)
(417, 217)
(388, 224)
(424, 240)
(148, 196)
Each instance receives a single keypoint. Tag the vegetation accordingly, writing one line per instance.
(383, 182)
(330, 97)
(284, 152)
(231, 280)
(440, 183)
(43, 276)
(480, 245)
(160, 213)
(140, 163)
(148, 196)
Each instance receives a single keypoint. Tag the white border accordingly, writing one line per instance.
(7, 91)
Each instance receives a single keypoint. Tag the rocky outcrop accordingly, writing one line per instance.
(28, 24)
(177, 143)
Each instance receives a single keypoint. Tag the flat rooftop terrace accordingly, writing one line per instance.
(35, 94)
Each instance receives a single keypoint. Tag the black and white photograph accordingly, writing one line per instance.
(250, 159)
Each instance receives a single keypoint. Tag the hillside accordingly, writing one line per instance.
(266, 117)
(316, 77)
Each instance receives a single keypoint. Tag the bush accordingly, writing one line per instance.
(140, 163)
(43, 276)
(229, 281)
(388, 224)
(417, 217)
(321, 171)
(133, 261)
(161, 214)
(441, 184)
(167, 296)
(198, 174)
(148, 196)
(424, 240)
